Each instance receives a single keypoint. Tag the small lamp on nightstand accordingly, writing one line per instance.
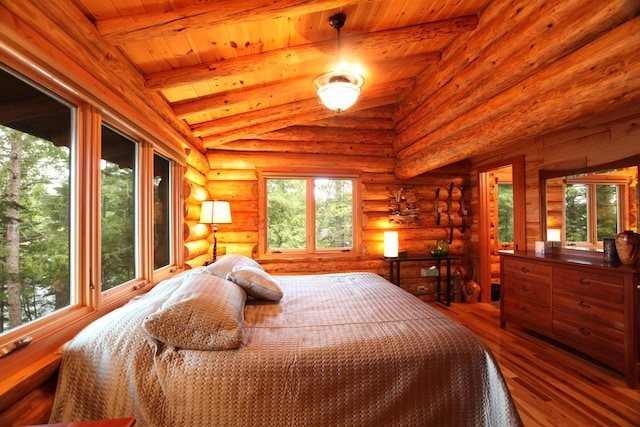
(215, 212)
(390, 244)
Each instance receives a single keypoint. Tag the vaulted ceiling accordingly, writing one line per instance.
(450, 78)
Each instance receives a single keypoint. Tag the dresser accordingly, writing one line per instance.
(577, 300)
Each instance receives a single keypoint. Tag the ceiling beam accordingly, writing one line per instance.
(381, 44)
(269, 119)
(203, 16)
(254, 98)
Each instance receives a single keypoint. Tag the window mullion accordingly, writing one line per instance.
(311, 216)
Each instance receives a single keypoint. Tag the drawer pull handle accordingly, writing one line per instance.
(585, 332)
(524, 270)
(524, 310)
(584, 305)
(524, 288)
(584, 282)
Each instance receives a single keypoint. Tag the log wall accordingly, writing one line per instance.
(233, 176)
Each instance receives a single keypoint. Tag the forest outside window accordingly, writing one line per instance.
(36, 134)
(310, 214)
(66, 174)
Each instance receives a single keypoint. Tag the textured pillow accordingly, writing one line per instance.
(257, 282)
(224, 265)
(205, 313)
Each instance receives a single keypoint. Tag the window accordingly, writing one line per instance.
(83, 201)
(310, 214)
(118, 208)
(592, 211)
(505, 214)
(35, 216)
(161, 213)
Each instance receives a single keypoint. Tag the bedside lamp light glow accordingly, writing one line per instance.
(391, 244)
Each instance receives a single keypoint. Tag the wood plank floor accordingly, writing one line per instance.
(550, 384)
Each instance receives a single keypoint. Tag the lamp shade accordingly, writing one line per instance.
(391, 244)
(339, 89)
(554, 234)
(215, 212)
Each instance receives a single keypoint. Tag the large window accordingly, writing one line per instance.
(309, 214)
(35, 219)
(82, 201)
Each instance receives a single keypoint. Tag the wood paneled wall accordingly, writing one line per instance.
(327, 145)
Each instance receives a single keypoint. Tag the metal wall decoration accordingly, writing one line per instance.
(403, 206)
(463, 210)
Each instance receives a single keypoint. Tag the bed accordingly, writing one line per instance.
(260, 350)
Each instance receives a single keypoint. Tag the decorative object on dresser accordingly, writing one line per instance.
(578, 300)
(628, 247)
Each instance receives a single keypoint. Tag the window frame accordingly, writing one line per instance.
(310, 250)
(592, 218)
(89, 303)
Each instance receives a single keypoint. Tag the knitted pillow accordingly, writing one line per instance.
(205, 313)
(224, 265)
(257, 282)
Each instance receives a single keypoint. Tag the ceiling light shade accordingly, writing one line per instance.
(339, 89)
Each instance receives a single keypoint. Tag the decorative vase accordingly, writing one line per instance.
(441, 249)
(628, 247)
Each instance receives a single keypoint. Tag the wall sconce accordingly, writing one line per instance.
(215, 212)
(391, 244)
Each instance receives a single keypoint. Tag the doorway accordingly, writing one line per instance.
(499, 227)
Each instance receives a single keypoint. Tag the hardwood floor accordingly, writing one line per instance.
(551, 385)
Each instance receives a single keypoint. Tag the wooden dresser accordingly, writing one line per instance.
(577, 300)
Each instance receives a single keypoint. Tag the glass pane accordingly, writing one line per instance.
(161, 211)
(607, 210)
(118, 208)
(286, 214)
(334, 213)
(35, 142)
(576, 213)
(505, 213)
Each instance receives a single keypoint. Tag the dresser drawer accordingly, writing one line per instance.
(603, 343)
(608, 287)
(526, 290)
(523, 270)
(607, 313)
(528, 314)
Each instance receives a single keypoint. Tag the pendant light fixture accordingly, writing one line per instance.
(339, 89)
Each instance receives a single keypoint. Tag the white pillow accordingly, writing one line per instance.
(204, 313)
(257, 282)
(224, 265)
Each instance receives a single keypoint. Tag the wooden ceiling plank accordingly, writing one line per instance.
(303, 112)
(249, 121)
(320, 134)
(344, 147)
(602, 76)
(364, 45)
(203, 16)
(550, 33)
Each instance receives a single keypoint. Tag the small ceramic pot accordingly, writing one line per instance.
(628, 247)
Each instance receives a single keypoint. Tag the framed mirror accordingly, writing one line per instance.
(580, 207)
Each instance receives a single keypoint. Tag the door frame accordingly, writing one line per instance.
(519, 218)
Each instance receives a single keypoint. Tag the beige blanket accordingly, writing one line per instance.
(337, 350)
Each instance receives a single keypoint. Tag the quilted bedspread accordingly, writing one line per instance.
(337, 350)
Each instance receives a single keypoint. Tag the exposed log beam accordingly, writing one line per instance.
(288, 115)
(200, 17)
(551, 33)
(321, 134)
(260, 121)
(364, 45)
(346, 147)
(219, 105)
(601, 76)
